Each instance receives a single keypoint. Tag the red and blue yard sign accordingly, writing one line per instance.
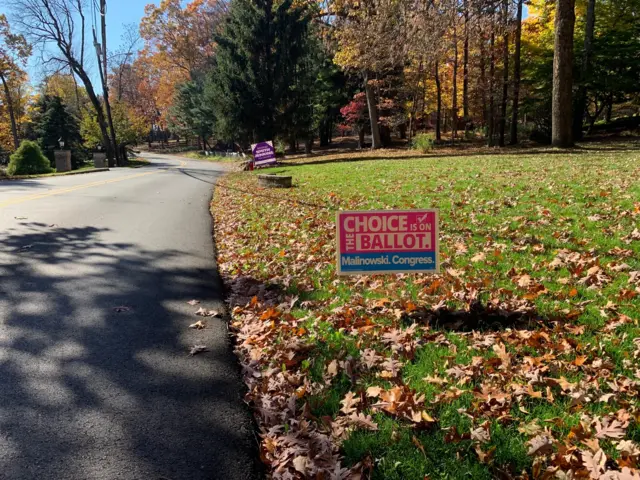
(387, 241)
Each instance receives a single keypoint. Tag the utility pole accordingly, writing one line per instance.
(102, 66)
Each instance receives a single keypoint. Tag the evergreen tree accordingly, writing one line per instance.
(329, 92)
(53, 123)
(191, 113)
(258, 55)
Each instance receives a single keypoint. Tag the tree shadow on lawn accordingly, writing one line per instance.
(416, 156)
(479, 317)
(93, 391)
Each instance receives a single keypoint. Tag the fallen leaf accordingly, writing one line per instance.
(203, 312)
(374, 392)
(300, 464)
(540, 445)
(594, 463)
(193, 302)
(524, 281)
(332, 368)
(480, 434)
(199, 325)
(196, 349)
(349, 403)
(121, 309)
(478, 257)
(609, 429)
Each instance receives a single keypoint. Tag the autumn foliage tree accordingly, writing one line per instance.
(14, 52)
(355, 115)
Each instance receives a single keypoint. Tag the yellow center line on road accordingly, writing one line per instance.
(80, 187)
(72, 189)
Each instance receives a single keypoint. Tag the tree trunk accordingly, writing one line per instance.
(373, 114)
(516, 76)
(102, 122)
(465, 68)
(483, 83)
(12, 113)
(581, 101)
(439, 103)
(609, 110)
(361, 138)
(561, 107)
(505, 72)
(454, 103)
(492, 74)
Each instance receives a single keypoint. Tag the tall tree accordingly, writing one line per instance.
(438, 101)
(561, 107)
(183, 34)
(259, 50)
(492, 80)
(14, 52)
(53, 24)
(191, 113)
(465, 66)
(505, 72)
(454, 93)
(52, 123)
(516, 74)
(371, 41)
(587, 53)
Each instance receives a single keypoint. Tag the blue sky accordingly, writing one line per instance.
(119, 14)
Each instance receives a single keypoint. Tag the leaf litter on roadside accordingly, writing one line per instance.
(203, 312)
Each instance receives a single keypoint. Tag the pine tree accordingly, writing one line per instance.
(53, 123)
(191, 113)
(258, 54)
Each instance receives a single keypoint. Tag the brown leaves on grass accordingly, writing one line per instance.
(403, 403)
(297, 327)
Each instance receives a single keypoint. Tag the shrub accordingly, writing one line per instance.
(280, 147)
(28, 160)
(423, 142)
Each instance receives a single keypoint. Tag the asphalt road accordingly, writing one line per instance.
(92, 391)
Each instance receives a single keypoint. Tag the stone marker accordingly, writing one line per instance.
(99, 159)
(63, 160)
(274, 181)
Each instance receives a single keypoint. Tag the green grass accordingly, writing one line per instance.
(212, 158)
(520, 210)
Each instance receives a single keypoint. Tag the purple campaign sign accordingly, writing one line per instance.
(263, 154)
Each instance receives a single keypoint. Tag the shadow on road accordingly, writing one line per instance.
(90, 390)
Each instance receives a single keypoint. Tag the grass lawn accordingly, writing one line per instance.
(213, 158)
(520, 360)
